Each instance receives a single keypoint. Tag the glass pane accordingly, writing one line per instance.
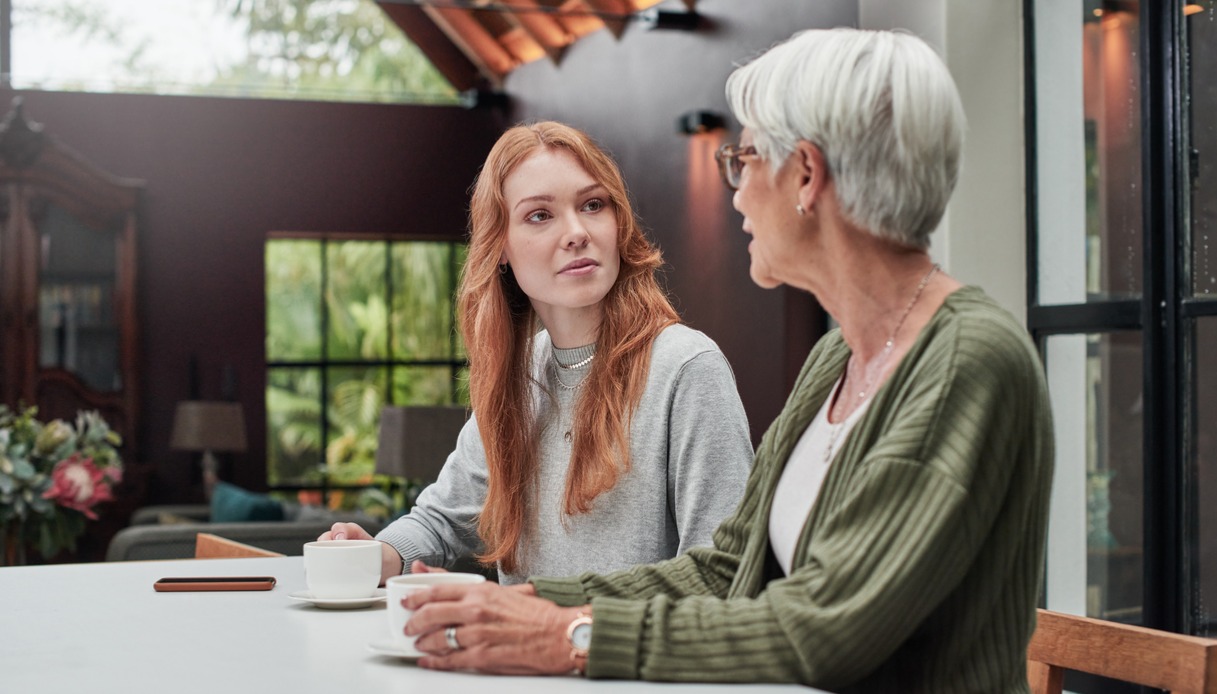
(77, 326)
(1200, 103)
(356, 396)
(336, 50)
(1089, 151)
(293, 300)
(425, 385)
(1095, 382)
(1202, 450)
(355, 300)
(293, 425)
(423, 284)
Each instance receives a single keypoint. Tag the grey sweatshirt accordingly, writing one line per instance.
(690, 454)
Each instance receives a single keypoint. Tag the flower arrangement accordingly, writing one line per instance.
(52, 477)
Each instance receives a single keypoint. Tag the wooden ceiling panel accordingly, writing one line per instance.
(474, 40)
(544, 29)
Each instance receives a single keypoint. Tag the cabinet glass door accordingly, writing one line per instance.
(77, 327)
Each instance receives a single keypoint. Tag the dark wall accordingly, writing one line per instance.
(221, 174)
(627, 92)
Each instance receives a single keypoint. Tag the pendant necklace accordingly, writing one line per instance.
(559, 367)
(875, 367)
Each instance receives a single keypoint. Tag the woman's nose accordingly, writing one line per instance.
(576, 234)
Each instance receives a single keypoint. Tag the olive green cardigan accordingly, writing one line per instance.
(919, 567)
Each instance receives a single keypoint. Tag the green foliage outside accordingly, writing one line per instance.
(330, 50)
(369, 354)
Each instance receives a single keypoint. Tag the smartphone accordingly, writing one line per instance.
(197, 583)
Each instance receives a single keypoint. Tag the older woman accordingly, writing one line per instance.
(891, 536)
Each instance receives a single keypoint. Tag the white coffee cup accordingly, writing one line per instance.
(338, 569)
(398, 587)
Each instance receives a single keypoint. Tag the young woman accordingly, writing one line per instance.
(612, 436)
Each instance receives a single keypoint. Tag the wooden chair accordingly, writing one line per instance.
(208, 546)
(1148, 657)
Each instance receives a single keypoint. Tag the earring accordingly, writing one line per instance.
(503, 269)
(799, 208)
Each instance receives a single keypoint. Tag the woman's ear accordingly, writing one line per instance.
(813, 173)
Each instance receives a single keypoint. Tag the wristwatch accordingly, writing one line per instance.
(579, 633)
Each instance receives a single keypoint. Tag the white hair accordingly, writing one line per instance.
(880, 105)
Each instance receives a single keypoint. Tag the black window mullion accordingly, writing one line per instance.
(1031, 179)
(1163, 585)
(325, 355)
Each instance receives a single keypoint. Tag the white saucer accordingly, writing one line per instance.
(391, 648)
(339, 603)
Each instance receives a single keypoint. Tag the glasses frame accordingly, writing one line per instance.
(730, 166)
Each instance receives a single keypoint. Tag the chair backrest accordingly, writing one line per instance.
(208, 546)
(1148, 657)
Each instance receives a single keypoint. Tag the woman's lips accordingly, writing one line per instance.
(582, 266)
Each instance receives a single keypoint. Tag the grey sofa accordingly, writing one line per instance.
(168, 532)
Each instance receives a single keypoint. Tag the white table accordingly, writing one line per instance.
(76, 628)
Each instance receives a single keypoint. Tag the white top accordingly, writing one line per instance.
(100, 628)
(803, 477)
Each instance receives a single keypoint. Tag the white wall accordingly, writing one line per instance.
(982, 240)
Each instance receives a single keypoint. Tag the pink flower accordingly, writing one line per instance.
(76, 483)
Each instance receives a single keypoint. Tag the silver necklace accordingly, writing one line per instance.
(564, 367)
(876, 366)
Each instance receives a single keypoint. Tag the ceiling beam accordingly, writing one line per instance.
(546, 30)
(479, 45)
(446, 56)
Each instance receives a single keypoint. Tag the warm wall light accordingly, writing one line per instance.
(697, 122)
(1191, 9)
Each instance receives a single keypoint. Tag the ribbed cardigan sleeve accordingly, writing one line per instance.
(921, 556)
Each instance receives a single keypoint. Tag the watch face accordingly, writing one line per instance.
(581, 636)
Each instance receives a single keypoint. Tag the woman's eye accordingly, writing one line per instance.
(538, 216)
(593, 205)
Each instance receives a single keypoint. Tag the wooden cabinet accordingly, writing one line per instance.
(67, 281)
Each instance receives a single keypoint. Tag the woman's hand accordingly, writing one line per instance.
(345, 531)
(390, 560)
(418, 567)
(500, 630)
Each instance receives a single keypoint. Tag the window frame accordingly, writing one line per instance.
(456, 363)
(1164, 314)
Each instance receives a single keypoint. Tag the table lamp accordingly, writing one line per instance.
(415, 442)
(209, 427)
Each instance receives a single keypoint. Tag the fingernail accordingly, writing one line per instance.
(340, 536)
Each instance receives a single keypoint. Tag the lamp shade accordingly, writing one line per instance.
(415, 441)
(200, 425)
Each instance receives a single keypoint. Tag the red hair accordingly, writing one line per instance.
(498, 324)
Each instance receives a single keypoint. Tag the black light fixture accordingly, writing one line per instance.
(666, 19)
(697, 122)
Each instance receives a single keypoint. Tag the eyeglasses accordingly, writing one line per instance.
(730, 165)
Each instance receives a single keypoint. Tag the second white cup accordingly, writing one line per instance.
(398, 587)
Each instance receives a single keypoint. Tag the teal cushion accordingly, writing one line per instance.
(231, 504)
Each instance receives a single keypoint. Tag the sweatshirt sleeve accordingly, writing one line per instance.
(442, 526)
(709, 448)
